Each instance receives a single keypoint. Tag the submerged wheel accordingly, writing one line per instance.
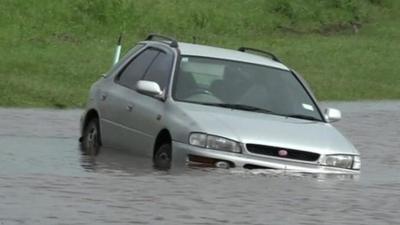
(163, 156)
(91, 137)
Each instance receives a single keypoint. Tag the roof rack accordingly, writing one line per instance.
(162, 38)
(272, 56)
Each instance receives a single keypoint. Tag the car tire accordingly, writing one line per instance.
(163, 156)
(91, 140)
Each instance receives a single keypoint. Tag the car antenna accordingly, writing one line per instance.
(117, 50)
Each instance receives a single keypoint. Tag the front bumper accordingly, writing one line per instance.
(182, 152)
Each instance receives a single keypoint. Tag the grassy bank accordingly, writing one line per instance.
(51, 51)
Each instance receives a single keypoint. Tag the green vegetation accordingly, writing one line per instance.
(52, 51)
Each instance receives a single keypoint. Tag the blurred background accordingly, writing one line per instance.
(52, 51)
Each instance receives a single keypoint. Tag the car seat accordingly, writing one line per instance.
(185, 85)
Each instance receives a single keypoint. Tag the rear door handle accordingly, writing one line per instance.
(129, 108)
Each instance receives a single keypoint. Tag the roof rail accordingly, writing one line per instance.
(272, 56)
(162, 38)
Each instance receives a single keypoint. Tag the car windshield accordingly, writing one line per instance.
(242, 86)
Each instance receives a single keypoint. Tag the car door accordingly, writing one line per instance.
(146, 116)
(115, 106)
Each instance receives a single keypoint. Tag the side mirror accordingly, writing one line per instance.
(150, 88)
(332, 115)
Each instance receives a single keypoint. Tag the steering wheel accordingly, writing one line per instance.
(200, 91)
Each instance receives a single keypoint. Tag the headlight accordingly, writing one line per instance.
(198, 139)
(214, 142)
(342, 161)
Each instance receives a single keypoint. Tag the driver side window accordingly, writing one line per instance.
(160, 70)
(136, 69)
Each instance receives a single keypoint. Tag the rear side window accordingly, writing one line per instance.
(136, 69)
(160, 70)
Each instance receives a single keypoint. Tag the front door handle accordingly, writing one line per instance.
(129, 108)
(103, 96)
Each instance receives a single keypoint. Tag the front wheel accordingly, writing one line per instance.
(91, 137)
(163, 156)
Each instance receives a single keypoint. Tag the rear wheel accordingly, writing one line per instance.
(91, 137)
(163, 156)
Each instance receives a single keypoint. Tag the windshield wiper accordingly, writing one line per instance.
(305, 117)
(261, 110)
(240, 107)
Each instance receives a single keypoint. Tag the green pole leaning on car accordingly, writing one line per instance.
(117, 50)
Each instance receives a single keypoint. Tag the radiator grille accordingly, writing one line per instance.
(282, 152)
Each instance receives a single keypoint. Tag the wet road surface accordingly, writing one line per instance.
(44, 179)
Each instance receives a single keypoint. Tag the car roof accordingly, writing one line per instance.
(228, 54)
(222, 53)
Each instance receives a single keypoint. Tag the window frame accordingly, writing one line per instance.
(169, 69)
(136, 54)
(127, 64)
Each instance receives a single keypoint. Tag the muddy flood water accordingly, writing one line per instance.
(44, 179)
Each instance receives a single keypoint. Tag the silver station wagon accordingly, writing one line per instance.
(180, 103)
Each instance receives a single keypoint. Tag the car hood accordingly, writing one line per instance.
(266, 129)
